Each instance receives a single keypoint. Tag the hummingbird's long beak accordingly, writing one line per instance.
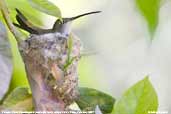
(65, 27)
(76, 17)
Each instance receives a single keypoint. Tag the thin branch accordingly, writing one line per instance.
(5, 13)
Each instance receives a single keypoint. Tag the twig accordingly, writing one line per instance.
(5, 13)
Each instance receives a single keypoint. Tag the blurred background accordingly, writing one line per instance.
(122, 42)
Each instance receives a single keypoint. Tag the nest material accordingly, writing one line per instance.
(45, 57)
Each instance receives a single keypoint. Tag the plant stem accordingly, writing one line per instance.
(5, 13)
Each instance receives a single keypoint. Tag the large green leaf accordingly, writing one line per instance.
(18, 99)
(150, 10)
(139, 99)
(90, 98)
(46, 7)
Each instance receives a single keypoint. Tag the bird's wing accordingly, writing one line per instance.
(26, 25)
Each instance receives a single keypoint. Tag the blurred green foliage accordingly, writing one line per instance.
(19, 75)
(90, 98)
(23, 5)
(19, 99)
(150, 11)
(47, 7)
(139, 99)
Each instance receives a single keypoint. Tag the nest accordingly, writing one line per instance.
(51, 66)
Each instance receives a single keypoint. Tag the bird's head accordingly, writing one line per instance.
(64, 25)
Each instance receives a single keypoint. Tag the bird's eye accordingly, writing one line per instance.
(59, 22)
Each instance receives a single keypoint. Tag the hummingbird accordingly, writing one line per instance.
(59, 26)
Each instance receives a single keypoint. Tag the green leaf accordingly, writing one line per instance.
(90, 98)
(150, 10)
(46, 7)
(139, 99)
(70, 47)
(18, 99)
